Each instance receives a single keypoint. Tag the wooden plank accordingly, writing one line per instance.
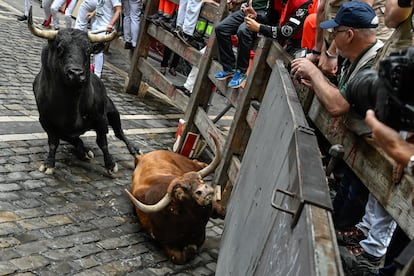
(372, 166)
(276, 51)
(233, 95)
(254, 89)
(190, 54)
(207, 127)
(251, 115)
(162, 83)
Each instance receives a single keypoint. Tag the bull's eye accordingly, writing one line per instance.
(60, 51)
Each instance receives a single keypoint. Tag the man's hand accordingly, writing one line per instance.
(248, 10)
(252, 24)
(302, 70)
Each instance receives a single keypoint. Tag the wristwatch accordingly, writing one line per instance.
(329, 55)
(410, 166)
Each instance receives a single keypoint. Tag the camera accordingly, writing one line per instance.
(390, 91)
(404, 3)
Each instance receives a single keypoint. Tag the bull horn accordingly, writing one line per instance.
(94, 37)
(150, 208)
(48, 34)
(213, 165)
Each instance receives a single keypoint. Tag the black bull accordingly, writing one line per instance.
(70, 99)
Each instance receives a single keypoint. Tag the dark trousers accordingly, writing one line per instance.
(231, 25)
(350, 200)
(166, 58)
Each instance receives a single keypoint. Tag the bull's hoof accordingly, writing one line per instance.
(114, 170)
(46, 170)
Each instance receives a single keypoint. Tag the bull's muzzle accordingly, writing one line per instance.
(76, 74)
(204, 194)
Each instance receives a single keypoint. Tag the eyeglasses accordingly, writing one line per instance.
(334, 32)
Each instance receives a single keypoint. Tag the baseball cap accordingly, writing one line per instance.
(354, 14)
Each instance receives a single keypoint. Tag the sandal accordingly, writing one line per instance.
(350, 237)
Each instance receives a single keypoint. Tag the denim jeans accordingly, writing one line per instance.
(378, 226)
(232, 25)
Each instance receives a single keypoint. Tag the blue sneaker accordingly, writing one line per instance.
(222, 75)
(237, 80)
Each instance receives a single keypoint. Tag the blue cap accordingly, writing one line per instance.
(354, 14)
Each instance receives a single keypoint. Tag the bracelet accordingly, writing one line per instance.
(314, 52)
(329, 55)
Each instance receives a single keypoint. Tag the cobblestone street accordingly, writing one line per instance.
(77, 221)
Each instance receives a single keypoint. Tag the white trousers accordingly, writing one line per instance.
(46, 4)
(378, 226)
(81, 22)
(188, 12)
(68, 12)
(27, 5)
(191, 78)
(98, 63)
(132, 19)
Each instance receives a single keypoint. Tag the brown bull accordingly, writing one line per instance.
(172, 202)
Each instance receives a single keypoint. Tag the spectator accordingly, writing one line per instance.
(27, 5)
(86, 7)
(166, 62)
(289, 30)
(236, 67)
(106, 15)
(328, 58)
(309, 28)
(354, 33)
(165, 13)
(188, 12)
(132, 19)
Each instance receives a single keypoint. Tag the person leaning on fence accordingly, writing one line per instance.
(233, 24)
(289, 30)
(82, 19)
(106, 15)
(324, 52)
(132, 19)
(354, 32)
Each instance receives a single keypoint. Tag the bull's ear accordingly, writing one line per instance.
(98, 47)
(180, 191)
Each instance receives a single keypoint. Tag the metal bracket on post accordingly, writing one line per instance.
(307, 181)
(294, 213)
